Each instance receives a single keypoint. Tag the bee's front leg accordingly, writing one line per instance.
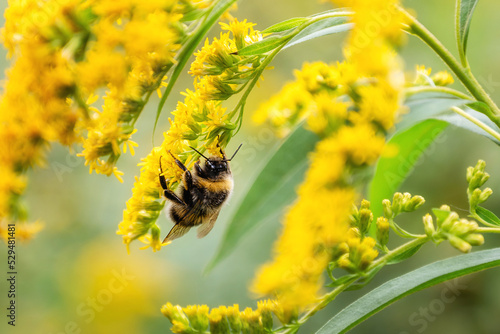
(199, 170)
(169, 194)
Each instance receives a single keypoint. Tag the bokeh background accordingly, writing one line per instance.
(76, 276)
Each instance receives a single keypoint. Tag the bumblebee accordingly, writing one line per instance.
(203, 191)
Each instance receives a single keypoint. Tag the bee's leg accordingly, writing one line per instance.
(187, 177)
(169, 194)
(178, 162)
(199, 170)
(188, 180)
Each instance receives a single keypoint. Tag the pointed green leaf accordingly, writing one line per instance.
(285, 25)
(428, 105)
(267, 44)
(272, 190)
(321, 28)
(461, 122)
(465, 9)
(402, 286)
(488, 216)
(390, 172)
(440, 214)
(405, 255)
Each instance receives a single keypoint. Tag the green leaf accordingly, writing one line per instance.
(405, 255)
(428, 105)
(463, 18)
(272, 190)
(402, 286)
(440, 214)
(390, 172)
(461, 122)
(487, 215)
(267, 44)
(285, 25)
(324, 27)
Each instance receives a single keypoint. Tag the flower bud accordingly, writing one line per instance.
(264, 307)
(477, 177)
(463, 227)
(414, 203)
(365, 220)
(218, 322)
(175, 314)
(474, 198)
(445, 207)
(365, 204)
(198, 316)
(382, 230)
(233, 317)
(429, 225)
(344, 262)
(485, 195)
(474, 239)
(459, 244)
(442, 78)
(397, 203)
(387, 209)
(470, 174)
(448, 222)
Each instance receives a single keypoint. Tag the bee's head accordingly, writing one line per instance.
(216, 167)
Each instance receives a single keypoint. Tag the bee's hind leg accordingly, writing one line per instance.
(169, 194)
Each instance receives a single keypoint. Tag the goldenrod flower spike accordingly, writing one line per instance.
(200, 121)
(69, 58)
(350, 105)
(221, 320)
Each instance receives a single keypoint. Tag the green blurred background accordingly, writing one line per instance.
(77, 274)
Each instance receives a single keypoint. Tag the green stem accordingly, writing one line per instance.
(474, 120)
(463, 74)
(488, 230)
(436, 89)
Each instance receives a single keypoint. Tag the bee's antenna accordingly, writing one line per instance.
(199, 152)
(234, 153)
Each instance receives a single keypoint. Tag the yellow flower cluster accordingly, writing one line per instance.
(33, 106)
(351, 106)
(65, 53)
(200, 122)
(424, 78)
(222, 320)
(135, 44)
(358, 253)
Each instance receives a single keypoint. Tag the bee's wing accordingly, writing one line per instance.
(206, 227)
(176, 232)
